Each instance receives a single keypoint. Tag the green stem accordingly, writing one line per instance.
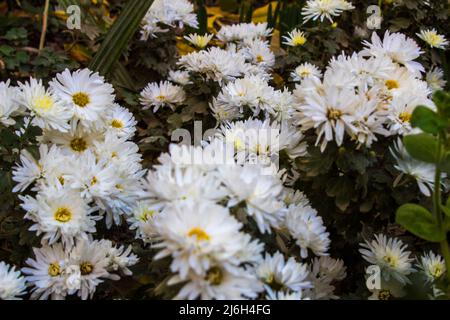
(437, 201)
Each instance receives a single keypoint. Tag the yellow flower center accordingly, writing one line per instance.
(61, 180)
(54, 270)
(436, 270)
(81, 99)
(259, 58)
(405, 116)
(43, 103)
(161, 98)
(117, 124)
(63, 215)
(199, 234)
(298, 40)
(78, 144)
(334, 114)
(392, 84)
(86, 268)
(146, 214)
(391, 260)
(94, 181)
(214, 276)
(384, 295)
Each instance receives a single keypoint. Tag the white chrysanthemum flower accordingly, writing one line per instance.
(321, 9)
(8, 103)
(308, 230)
(86, 268)
(12, 283)
(400, 113)
(86, 93)
(172, 13)
(249, 92)
(280, 275)
(46, 272)
(76, 141)
(305, 70)
(60, 214)
(162, 94)
(198, 235)
(260, 191)
(397, 47)
(179, 77)
(324, 272)
(47, 110)
(295, 38)
(421, 171)
(435, 79)
(391, 255)
(120, 257)
(121, 122)
(171, 183)
(331, 115)
(219, 283)
(433, 39)
(215, 64)
(432, 265)
(258, 53)
(142, 219)
(244, 31)
(199, 41)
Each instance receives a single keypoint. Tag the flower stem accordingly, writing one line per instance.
(44, 25)
(437, 201)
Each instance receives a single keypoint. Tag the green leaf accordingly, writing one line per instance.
(119, 35)
(442, 101)
(420, 222)
(422, 146)
(427, 120)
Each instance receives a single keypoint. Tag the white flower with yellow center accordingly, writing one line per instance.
(198, 235)
(199, 41)
(12, 283)
(332, 115)
(47, 110)
(306, 70)
(46, 272)
(121, 122)
(280, 275)
(74, 142)
(295, 38)
(52, 164)
(432, 266)
(321, 9)
(399, 48)
(162, 94)
(87, 94)
(435, 79)
(219, 283)
(258, 53)
(59, 214)
(433, 39)
(142, 219)
(9, 105)
(391, 255)
(87, 267)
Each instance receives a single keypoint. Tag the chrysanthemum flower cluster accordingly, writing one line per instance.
(86, 170)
